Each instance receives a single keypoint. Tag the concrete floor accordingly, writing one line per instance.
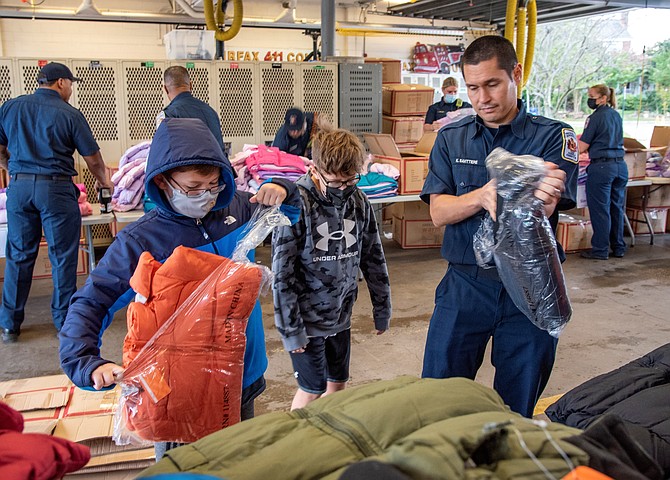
(620, 313)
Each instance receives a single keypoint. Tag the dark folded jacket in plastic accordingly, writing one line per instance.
(638, 392)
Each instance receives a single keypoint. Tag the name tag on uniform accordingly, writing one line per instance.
(467, 161)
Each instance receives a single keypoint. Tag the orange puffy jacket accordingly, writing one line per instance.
(188, 379)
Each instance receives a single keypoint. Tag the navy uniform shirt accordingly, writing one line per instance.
(603, 131)
(185, 105)
(440, 109)
(42, 131)
(457, 166)
(294, 146)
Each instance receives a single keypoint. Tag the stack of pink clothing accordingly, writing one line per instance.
(84, 206)
(258, 163)
(129, 179)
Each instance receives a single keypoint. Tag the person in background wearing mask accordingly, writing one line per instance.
(316, 264)
(607, 174)
(197, 206)
(449, 103)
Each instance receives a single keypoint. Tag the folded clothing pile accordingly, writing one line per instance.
(658, 166)
(129, 179)
(258, 163)
(84, 205)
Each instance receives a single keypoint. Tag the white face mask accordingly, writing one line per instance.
(194, 207)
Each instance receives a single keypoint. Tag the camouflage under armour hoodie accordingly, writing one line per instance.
(316, 263)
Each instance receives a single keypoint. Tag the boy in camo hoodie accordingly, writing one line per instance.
(316, 263)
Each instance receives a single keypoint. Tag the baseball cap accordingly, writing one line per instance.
(294, 119)
(53, 71)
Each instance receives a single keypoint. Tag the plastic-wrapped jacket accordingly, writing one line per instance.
(522, 244)
(187, 380)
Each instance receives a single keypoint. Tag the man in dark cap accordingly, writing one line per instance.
(38, 136)
(294, 136)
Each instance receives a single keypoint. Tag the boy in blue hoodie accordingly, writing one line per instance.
(197, 206)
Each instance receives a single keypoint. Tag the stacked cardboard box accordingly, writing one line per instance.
(52, 405)
(413, 166)
(636, 153)
(413, 227)
(404, 110)
(574, 232)
(391, 69)
(43, 264)
(658, 218)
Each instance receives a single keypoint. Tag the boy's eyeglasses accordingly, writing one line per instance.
(196, 192)
(340, 183)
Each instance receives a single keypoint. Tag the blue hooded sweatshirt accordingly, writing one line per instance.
(177, 142)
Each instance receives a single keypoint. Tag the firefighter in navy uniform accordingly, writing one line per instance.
(38, 136)
(471, 304)
(607, 174)
(295, 136)
(177, 86)
(449, 103)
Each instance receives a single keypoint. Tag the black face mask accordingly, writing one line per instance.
(338, 196)
(591, 102)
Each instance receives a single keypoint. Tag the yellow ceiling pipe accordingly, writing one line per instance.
(214, 20)
(525, 35)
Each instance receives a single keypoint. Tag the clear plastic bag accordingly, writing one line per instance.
(522, 244)
(185, 381)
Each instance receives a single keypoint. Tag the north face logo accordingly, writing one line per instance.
(336, 235)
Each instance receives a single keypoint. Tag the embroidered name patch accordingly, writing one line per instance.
(467, 161)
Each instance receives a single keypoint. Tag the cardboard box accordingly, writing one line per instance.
(635, 157)
(402, 100)
(413, 166)
(417, 233)
(116, 227)
(43, 264)
(391, 69)
(403, 129)
(579, 212)
(574, 233)
(52, 405)
(657, 217)
(660, 139)
(410, 210)
(659, 196)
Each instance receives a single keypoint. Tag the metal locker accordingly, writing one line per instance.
(28, 70)
(318, 82)
(8, 81)
(361, 97)
(239, 104)
(144, 98)
(203, 80)
(279, 89)
(99, 97)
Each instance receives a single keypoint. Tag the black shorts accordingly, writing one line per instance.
(325, 359)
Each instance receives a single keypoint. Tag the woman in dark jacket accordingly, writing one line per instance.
(607, 174)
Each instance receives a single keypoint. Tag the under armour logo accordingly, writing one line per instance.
(336, 235)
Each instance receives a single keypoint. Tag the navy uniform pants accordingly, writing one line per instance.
(605, 196)
(35, 203)
(471, 309)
